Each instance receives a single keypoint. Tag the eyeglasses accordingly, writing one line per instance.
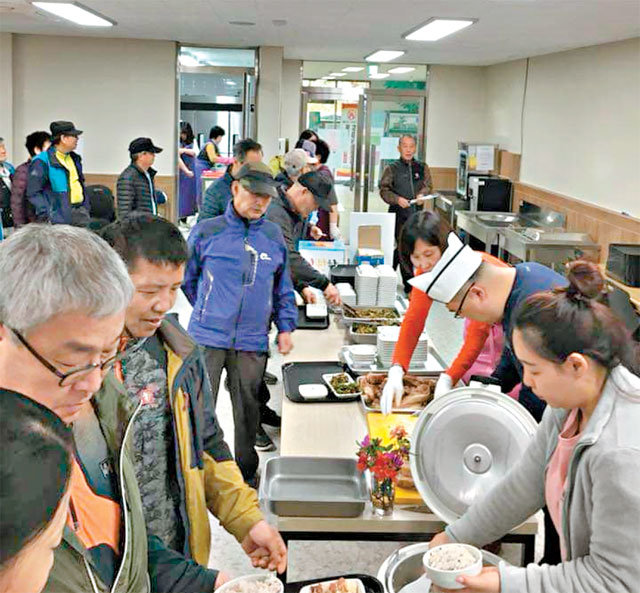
(457, 313)
(74, 375)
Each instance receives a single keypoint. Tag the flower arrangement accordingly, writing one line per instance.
(384, 463)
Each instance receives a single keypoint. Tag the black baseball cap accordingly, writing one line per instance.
(63, 127)
(320, 186)
(143, 145)
(258, 179)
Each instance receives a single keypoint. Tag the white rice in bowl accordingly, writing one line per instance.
(451, 557)
(269, 584)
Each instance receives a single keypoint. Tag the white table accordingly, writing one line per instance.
(312, 429)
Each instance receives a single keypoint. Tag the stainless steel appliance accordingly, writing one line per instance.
(623, 263)
(488, 193)
(475, 157)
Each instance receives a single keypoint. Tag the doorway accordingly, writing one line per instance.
(362, 127)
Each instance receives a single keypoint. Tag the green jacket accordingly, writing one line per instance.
(72, 571)
(146, 564)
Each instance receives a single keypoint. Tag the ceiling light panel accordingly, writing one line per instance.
(401, 70)
(384, 55)
(338, 73)
(76, 13)
(379, 75)
(353, 69)
(436, 28)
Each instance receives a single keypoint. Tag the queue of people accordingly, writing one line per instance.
(111, 404)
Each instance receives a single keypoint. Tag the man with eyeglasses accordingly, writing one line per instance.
(238, 280)
(62, 310)
(480, 290)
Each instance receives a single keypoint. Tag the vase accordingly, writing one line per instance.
(383, 493)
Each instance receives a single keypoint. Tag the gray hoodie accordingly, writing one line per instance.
(601, 510)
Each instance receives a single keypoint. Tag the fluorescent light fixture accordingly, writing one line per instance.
(76, 13)
(188, 60)
(338, 74)
(230, 82)
(401, 70)
(437, 28)
(353, 69)
(379, 75)
(384, 55)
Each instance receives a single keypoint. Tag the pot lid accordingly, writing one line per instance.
(463, 444)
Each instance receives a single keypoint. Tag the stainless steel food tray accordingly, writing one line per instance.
(367, 408)
(313, 487)
(400, 308)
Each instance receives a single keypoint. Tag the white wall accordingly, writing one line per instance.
(505, 88)
(456, 111)
(113, 89)
(581, 122)
(269, 98)
(6, 94)
(582, 125)
(290, 100)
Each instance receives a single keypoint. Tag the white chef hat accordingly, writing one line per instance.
(448, 276)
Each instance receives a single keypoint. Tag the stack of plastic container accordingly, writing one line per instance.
(347, 294)
(366, 285)
(387, 283)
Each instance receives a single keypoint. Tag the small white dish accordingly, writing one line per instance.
(313, 391)
(316, 311)
(447, 578)
(363, 350)
(327, 379)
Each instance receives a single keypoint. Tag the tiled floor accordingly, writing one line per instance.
(320, 559)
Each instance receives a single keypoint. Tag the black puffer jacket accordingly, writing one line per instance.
(133, 193)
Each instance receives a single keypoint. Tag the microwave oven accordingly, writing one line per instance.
(489, 194)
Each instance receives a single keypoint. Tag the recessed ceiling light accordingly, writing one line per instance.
(353, 69)
(76, 13)
(401, 70)
(242, 23)
(379, 75)
(437, 28)
(338, 74)
(384, 55)
(230, 82)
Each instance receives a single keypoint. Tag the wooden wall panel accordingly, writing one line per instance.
(604, 226)
(166, 183)
(443, 177)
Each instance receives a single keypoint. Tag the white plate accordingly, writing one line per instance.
(327, 379)
(313, 391)
(316, 311)
(362, 350)
(359, 586)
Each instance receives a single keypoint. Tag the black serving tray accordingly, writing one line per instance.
(295, 374)
(304, 323)
(371, 584)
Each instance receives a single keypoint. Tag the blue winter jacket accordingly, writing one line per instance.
(237, 280)
(48, 188)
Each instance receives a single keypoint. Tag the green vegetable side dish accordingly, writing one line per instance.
(371, 328)
(377, 313)
(344, 384)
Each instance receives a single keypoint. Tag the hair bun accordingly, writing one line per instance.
(585, 280)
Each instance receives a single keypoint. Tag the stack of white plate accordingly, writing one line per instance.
(363, 354)
(386, 342)
(366, 285)
(387, 283)
(347, 294)
(421, 351)
(387, 339)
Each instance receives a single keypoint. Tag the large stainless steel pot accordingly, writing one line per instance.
(404, 566)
